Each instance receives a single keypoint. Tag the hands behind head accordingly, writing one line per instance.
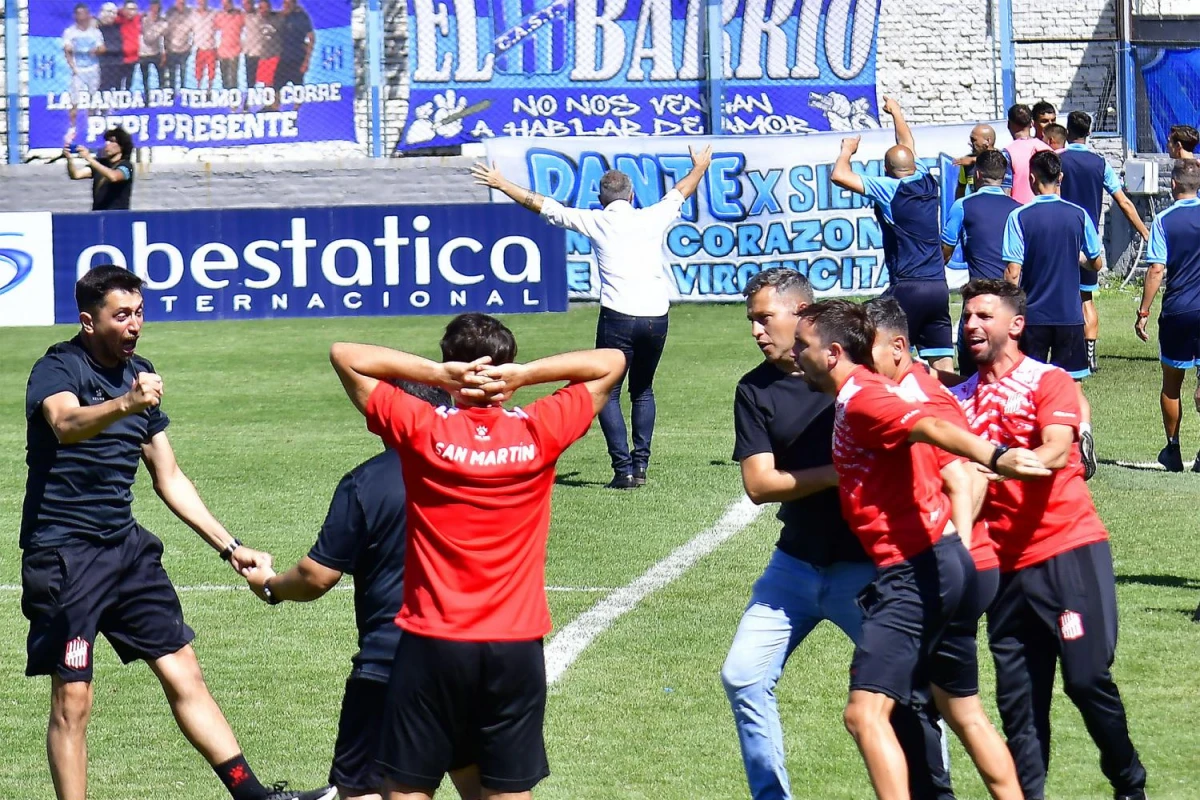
(481, 382)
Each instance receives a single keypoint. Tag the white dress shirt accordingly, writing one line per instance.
(628, 244)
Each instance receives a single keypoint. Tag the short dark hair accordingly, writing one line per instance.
(887, 315)
(1019, 116)
(122, 138)
(1185, 136)
(97, 282)
(81, 7)
(475, 335)
(434, 395)
(991, 165)
(782, 280)
(1186, 174)
(1056, 132)
(1079, 125)
(614, 185)
(1046, 167)
(1012, 296)
(1042, 107)
(845, 323)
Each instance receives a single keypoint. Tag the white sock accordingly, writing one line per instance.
(1085, 427)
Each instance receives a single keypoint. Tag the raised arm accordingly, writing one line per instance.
(74, 423)
(362, 366)
(903, 132)
(491, 177)
(95, 167)
(700, 162)
(599, 370)
(843, 174)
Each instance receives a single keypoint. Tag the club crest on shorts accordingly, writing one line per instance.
(1071, 625)
(78, 654)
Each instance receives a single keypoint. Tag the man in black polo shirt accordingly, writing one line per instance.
(93, 411)
(364, 536)
(111, 173)
(784, 442)
(296, 42)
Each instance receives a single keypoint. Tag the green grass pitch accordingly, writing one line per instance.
(261, 425)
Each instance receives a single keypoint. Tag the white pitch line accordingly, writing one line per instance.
(341, 587)
(1141, 465)
(574, 638)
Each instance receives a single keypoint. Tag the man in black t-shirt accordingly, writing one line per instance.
(111, 173)
(784, 443)
(93, 411)
(296, 40)
(364, 535)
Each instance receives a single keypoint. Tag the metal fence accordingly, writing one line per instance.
(317, 78)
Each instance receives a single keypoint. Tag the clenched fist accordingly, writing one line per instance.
(146, 392)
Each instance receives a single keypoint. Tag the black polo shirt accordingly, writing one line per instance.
(364, 536)
(82, 490)
(777, 413)
(293, 29)
(110, 196)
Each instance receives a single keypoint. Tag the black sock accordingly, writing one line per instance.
(1173, 440)
(239, 779)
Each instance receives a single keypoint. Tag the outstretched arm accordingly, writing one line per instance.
(700, 162)
(491, 177)
(843, 174)
(304, 582)
(1011, 463)
(904, 135)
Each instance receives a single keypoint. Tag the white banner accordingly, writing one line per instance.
(767, 201)
(26, 269)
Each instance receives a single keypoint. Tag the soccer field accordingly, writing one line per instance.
(261, 425)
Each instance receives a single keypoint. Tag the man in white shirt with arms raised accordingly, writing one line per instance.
(634, 292)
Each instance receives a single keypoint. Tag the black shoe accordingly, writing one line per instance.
(280, 791)
(1171, 458)
(1140, 794)
(639, 477)
(1196, 463)
(1196, 616)
(620, 481)
(1087, 451)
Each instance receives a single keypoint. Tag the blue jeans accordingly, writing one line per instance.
(787, 602)
(642, 340)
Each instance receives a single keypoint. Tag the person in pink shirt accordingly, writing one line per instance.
(1020, 150)
(229, 21)
(204, 39)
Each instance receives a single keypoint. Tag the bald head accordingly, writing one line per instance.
(982, 138)
(899, 162)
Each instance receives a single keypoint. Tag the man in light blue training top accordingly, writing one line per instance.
(906, 205)
(1042, 243)
(1175, 249)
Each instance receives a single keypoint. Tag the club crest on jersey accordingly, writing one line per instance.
(78, 653)
(1070, 624)
(481, 434)
(1013, 404)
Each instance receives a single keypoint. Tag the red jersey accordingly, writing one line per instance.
(1032, 521)
(943, 404)
(478, 484)
(891, 490)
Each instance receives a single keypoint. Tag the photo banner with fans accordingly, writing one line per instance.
(195, 74)
(765, 202)
(558, 68)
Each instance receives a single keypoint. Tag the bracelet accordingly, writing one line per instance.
(230, 549)
(994, 464)
(1143, 314)
(272, 600)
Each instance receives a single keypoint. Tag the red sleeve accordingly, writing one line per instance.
(880, 417)
(564, 416)
(393, 414)
(1056, 400)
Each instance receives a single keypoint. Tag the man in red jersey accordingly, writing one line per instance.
(965, 485)
(470, 683)
(1057, 600)
(892, 497)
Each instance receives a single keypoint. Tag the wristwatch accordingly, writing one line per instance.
(1000, 450)
(230, 549)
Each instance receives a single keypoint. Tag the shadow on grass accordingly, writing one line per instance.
(1119, 357)
(571, 479)
(1169, 581)
(1130, 465)
(723, 462)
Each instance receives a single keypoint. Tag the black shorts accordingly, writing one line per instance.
(454, 703)
(956, 662)
(358, 736)
(1063, 346)
(906, 614)
(1179, 339)
(927, 306)
(72, 592)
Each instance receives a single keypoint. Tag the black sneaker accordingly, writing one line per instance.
(280, 791)
(1196, 616)
(1140, 794)
(620, 481)
(1087, 451)
(1171, 458)
(1196, 463)
(639, 476)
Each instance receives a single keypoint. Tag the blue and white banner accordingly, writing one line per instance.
(765, 202)
(560, 68)
(307, 262)
(213, 73)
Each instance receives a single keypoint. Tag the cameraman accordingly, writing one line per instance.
(111, 172)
